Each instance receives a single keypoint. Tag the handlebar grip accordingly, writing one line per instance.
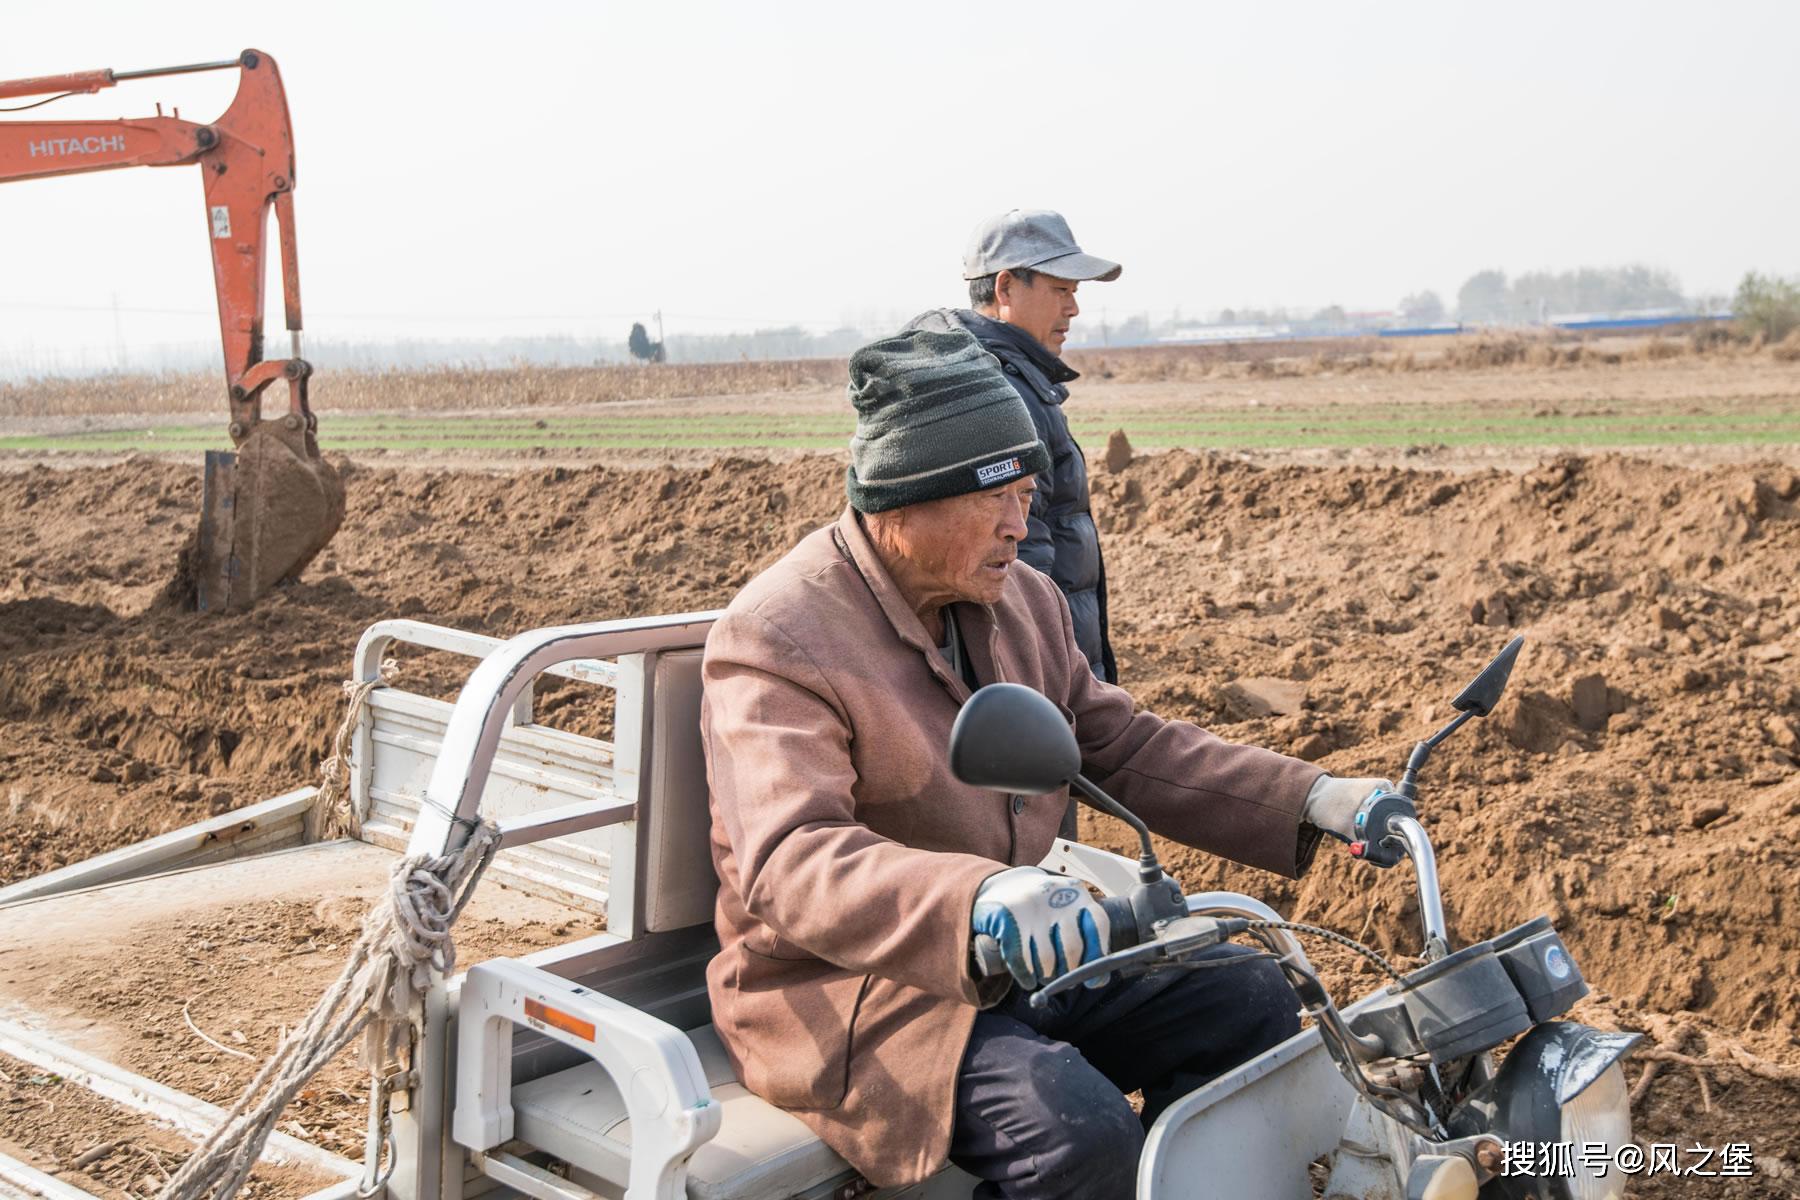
(987, 956)
(1372, 828)
(1121, 925)
(1121, 922)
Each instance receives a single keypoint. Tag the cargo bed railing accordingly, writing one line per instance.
(560, 785)
(485, 708)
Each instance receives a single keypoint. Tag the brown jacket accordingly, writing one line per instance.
(848, 855)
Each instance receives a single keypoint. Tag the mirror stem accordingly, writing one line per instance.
(1147, 864)
(1451, 728)
(1409, 782)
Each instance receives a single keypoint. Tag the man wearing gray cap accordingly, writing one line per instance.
(1023, 268)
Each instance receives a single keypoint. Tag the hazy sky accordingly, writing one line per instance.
(473, 169)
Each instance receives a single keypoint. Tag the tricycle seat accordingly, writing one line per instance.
(760, 1151)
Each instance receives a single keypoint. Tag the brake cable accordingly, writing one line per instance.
(1336, 1036)
(1331, 935)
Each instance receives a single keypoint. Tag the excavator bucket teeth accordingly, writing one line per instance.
(265, 512)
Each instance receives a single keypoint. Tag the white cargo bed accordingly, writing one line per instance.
(100, 959)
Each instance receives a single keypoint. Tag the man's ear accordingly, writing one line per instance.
(1004, 283)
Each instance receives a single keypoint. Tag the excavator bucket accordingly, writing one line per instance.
(265, 511)
(272, 505)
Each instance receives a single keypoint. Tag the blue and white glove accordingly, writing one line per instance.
(1045, 924)
(1332, 804)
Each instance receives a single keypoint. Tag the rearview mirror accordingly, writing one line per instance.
(1484, 690)
(1012, 739)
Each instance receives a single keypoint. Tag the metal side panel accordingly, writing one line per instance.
(535, 770)
(408, 719)
(189, 1114)
(1250, 1134)
(254, 829)
(22, 1181)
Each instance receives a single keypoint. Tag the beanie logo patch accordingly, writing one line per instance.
(999, 472)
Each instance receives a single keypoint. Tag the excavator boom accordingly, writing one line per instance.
(272, 503)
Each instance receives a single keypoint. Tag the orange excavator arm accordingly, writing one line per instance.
(247, 162)
(246, 158)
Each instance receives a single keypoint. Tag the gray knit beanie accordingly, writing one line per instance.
(934, 418)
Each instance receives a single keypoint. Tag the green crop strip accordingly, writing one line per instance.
(1165, 427)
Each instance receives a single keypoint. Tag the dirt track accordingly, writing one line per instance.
(1639, 784)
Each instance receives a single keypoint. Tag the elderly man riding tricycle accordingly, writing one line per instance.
(894, 717)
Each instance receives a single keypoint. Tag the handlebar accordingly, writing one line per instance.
(1389, 830)
(1176, 940)
(1417, 845)
(1396, 831)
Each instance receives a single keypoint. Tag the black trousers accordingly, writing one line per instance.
(1040, 1105)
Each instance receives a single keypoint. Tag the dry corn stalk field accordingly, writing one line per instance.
(459, 389)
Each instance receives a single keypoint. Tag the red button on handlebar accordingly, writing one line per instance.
(1357, 848)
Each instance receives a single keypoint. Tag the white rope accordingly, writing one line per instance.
(335, 815)
(405, 942)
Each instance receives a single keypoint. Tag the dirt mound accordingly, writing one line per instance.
(1639, 783)
(127, 717)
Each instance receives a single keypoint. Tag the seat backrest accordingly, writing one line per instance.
(679, 884)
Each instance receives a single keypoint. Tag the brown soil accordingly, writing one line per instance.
(1639, 783)
(127, 719)
(193, 979)
(252, 972)
(65, 1130)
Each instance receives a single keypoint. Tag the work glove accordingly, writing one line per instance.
(1045, 924)
(1332, 803)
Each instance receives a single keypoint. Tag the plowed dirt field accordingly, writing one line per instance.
(1640, 784)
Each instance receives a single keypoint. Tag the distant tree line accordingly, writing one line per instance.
(571, 350)
(1423, 308)
(767, 344)
(1488, 296)
(1768, 305)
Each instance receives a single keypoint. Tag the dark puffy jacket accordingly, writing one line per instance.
(1063, 542)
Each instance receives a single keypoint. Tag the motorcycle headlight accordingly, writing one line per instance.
(1562, 1086)
(1600, 1113)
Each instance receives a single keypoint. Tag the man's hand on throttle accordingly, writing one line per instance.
(1332, 803)
(1045, 924)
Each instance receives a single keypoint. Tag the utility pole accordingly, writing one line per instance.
(118, 335)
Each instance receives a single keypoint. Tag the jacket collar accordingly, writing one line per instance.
(987, 330)
(974, 621)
